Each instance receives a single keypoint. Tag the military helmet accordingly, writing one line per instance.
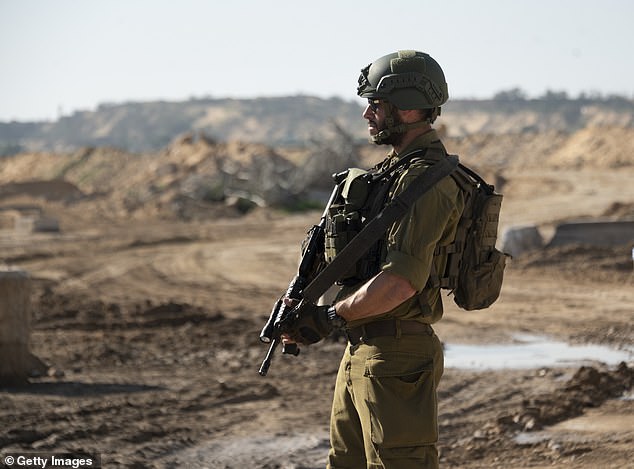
(408, 79)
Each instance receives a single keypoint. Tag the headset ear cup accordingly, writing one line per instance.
(434, 114)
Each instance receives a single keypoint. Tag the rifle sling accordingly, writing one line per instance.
(377, 227)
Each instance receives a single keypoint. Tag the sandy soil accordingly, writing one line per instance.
(151, 331)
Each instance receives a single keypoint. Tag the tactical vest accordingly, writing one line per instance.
(469, 266)
(362, 195)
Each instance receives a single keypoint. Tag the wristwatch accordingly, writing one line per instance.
(336, 321)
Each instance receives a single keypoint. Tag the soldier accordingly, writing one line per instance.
(384, 412)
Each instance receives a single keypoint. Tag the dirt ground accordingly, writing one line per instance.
(151, 331)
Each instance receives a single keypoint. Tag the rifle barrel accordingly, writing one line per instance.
(266, 363)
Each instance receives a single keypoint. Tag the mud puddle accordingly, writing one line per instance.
(529, 351)
(299, 451)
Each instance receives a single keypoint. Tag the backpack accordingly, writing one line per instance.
(474, 268)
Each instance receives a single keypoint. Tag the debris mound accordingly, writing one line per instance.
(588, 387)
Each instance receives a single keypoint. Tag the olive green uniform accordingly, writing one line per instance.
(384, 412)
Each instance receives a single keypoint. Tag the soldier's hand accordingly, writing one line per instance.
(290, 303)
(309, 323)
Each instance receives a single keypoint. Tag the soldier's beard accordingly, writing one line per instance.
(395, 138)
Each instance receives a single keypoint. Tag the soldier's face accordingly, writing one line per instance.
(375, 114)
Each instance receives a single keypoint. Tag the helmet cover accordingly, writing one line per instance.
(408, 79)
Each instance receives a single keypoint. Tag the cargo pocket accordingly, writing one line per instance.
(401, 397)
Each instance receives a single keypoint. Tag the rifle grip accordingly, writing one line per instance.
(290, 349)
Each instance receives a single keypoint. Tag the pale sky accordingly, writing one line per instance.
(59, 56)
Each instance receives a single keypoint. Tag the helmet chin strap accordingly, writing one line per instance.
(381, 137)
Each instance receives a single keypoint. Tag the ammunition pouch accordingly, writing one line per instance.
(362, 196)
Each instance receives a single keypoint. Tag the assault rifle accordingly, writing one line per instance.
(313, 279)
(309, 266)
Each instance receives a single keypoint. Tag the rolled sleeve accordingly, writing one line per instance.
(406, 266)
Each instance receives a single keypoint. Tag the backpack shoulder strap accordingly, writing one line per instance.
(488, 188)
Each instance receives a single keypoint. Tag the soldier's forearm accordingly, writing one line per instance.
(380, 294)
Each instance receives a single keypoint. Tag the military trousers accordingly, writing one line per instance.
(385, 411)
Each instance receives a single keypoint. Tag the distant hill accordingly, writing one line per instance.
(295, 120)
(199, 179)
